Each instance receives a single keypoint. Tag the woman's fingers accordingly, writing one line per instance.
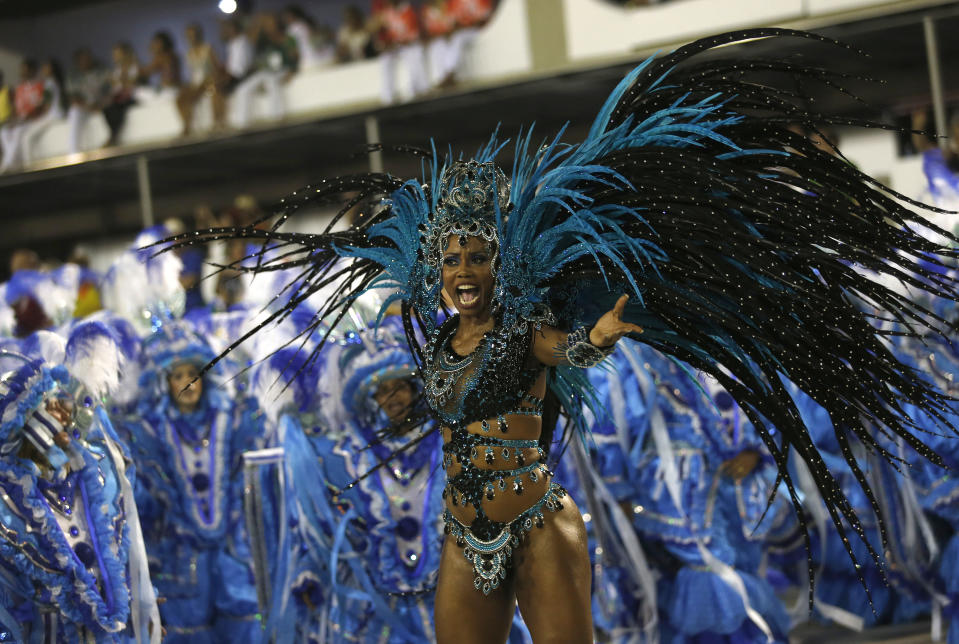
(620, 306)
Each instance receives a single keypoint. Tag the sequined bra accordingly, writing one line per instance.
(492, 382)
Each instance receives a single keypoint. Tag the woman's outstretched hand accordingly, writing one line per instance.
(610, 328)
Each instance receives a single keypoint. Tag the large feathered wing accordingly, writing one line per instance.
(750, 254)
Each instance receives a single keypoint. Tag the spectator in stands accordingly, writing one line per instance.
(39, 103)
(438, 25)
(163, 70)
(88, 91)
(239, 58)
(353, 40)
(204, 71)
(275, 61)
(401, 41)
(123, 83)
(471, 16)
(312, 48)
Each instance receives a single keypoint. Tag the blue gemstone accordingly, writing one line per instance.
(76, 433)
(405, 506)
(724, 401)
(74, 531)
(85, 553)
(407, 528)
(201, 482)
(88, 402)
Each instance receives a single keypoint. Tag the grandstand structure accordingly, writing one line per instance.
(543, 61)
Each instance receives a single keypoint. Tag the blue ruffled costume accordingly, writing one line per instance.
(190, 492)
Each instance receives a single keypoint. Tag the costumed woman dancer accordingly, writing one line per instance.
(736, 241)
(187, 439)
(72, 561)
(394, 525)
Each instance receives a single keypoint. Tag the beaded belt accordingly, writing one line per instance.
(491, 558)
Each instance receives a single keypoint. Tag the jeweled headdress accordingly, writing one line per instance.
(472, 198)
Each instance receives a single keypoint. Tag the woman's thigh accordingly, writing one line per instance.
(464, 615)
(552, 579)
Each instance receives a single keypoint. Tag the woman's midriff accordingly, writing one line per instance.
(506, 505)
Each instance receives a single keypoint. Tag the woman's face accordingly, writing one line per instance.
(395, 398)
(468, 276)
(185, 386)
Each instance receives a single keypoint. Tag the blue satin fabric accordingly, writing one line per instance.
(704, 429)
(382, 537)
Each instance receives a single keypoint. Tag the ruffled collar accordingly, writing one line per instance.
(67, 583)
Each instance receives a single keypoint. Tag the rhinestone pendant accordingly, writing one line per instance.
(489, 456)
(485, 426)
(502, 484)
(503, 427)
(473, 453)
(490, 492)
(520, 457)
(533, 476)
(518, 486)
(505, 453)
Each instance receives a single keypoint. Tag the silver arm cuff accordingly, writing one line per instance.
(582, 353)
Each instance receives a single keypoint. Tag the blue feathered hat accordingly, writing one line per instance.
(368, 359)
(174, 343)
(23, 414)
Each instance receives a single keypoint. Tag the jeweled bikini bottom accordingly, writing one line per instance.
(492, 559)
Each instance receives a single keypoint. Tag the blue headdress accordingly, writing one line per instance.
(175, 343)
(366, 361)
(23, 413)
(739, 241)
(145, 288)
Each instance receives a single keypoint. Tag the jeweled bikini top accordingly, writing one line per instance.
(490, 382)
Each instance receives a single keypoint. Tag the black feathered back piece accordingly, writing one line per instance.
(748, 251)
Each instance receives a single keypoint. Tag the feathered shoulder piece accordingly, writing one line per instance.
(749, 253)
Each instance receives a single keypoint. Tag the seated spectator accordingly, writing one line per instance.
(353, 40)
(471, 16)
(88, 91)
(204, 71)
(163, 70)
(312, 48)
(274, 63)
(439, 24)
(123, 83)
(401, 41)
(39, 102)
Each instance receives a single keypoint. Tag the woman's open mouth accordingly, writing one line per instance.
(468, 295)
